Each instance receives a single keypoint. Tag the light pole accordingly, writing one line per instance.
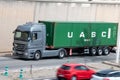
(118, 46)
(118, 42)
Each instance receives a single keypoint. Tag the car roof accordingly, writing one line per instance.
(106, 71)
(115, 71)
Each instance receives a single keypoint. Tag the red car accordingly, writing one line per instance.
(73, 71)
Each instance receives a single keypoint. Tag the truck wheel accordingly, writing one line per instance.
(61, 54)
(37, 55)
(106, 51)
(99, 51)
(93, 51)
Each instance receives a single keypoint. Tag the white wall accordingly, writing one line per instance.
(13, 13)
(108, 13)
(77, 12)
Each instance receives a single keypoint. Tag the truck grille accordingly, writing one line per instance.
(20, 47)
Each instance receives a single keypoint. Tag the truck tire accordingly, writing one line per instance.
(93, 51)
(99, 51)
(61, 54)
(37, 55)
(106, 51)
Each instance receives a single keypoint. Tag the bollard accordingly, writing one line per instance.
(31, 72)
(68, 61)
(21, 74)
(6, 71)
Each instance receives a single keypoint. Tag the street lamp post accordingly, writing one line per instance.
(118, 42)
(118, 46)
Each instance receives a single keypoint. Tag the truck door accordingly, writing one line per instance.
(37, 41)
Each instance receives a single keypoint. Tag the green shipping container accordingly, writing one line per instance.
(80, 34)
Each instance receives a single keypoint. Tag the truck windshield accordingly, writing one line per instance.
(21, 35)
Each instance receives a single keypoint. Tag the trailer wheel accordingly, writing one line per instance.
(37, 55)
(99, 51)
(106, 51)
(61, 54)
(93, 51)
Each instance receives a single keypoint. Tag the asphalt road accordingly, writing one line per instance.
(16, 63)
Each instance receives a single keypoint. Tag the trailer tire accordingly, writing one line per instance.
(106, 51)
(61, 54)
(99, 51)
(37, 55)
(93, 51)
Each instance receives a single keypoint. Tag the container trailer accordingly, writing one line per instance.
(50, 38)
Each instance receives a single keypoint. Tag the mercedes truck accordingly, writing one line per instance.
(57, 38)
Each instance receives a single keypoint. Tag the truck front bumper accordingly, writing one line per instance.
(25, 54)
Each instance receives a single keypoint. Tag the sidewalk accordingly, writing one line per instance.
(6, 54)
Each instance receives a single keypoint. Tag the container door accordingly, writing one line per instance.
(37, 41)
(104, 34)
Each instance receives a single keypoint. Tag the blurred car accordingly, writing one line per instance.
(74, 71)
(107, 74)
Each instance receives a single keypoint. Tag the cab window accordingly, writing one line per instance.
(81, 68)
(35, 36)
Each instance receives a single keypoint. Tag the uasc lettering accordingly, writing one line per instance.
(106, 34)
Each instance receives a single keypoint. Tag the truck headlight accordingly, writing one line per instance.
(26, 53)
(13, 51)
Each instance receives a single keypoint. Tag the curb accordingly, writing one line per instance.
(6, 54)
(92, 67)
(41, 79)
(111, 63)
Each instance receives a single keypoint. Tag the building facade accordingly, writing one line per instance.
(16, 12)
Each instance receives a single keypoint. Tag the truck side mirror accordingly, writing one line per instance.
(13, 32)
